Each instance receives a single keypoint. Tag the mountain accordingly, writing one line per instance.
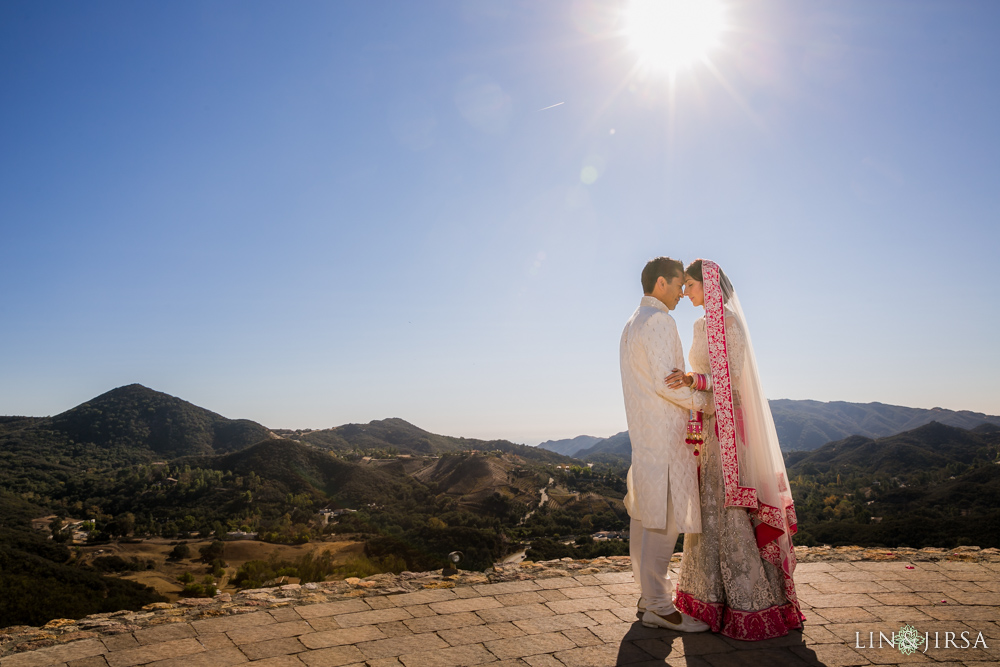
(936, 485)
(138, 417)
(807, 425)
(396, 436)
(297, 468)
(570, 447)
(811, 424)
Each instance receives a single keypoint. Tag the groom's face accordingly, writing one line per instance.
(670, 292)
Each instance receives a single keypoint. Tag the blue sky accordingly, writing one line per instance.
(309, 214)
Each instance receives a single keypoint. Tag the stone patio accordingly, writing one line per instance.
(574, 620)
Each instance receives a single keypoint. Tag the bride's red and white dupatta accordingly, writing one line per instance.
(753, 471)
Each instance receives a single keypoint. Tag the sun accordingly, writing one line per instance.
(669, 35)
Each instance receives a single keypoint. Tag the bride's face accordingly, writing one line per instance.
(694, 290)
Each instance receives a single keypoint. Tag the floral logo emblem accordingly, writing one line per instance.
(908, 639)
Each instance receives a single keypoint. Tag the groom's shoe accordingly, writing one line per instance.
(651, 619)
(641, 605)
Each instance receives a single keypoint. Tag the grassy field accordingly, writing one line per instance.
(164, 575)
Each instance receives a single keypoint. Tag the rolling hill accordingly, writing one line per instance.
(807, 425)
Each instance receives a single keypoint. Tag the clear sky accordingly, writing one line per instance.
(314, 213)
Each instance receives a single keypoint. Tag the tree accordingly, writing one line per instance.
(180, 551)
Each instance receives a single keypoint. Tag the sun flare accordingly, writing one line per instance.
(669, 35)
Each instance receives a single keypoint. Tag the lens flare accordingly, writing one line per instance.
(669, 35)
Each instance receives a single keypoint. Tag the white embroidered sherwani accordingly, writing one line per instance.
(663, 467)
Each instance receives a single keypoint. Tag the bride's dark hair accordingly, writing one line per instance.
(694, 270)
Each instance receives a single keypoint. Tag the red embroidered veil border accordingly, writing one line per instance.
(752, 466)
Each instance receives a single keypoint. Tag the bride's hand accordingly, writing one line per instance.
(678, 378)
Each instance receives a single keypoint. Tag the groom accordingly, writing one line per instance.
(662, 497)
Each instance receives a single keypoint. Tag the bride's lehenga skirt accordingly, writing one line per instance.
(724, 581)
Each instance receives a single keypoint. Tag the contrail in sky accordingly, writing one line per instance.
(551, 105)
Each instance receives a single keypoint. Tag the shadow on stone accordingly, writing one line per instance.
(651, 646)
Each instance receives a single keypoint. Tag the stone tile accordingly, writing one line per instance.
(590, 580)
(769, 657)
(515, 599)
(615, 578)
(379, 602)
(961, 612)
(341, 637)
(605, 617)
(821, 566)
(849, 615)
(162, 633)
(976, 598)
(586, 592)
(382, 662)
(54, 655)
(120, 642)
(506, 630)
(324, 623)
(274, 631)
(468, 604)
(93, 661)
(896, 614)
(816, 618)
(615, 633)
(519, 647)
(215, 640)
(830, 655)
(841, 600)
(422, 597)
(557, 583)
(627, 614)
(332, 608)
(847, 587)
(552, 595)
(458, 656)
(818, 634)
(622, 589)
(475, 634)
(161, 651)
(899, 599)
(372, 617)
(507, 587)
(419, 610)
(388, 648)
(272, 648)
(582, 604)
(594, 656)
(334, 656)
(280, 661)
(793, 638)
(518, 613)
(285, 614)
(218, 658)
(543, 660)
(465, 592)
(582, 637)
(227, 623)
(553, 623)
(628, 601)
(443, 622)
(813, 577)
(394, 629)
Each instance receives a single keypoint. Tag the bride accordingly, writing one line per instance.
(736, 575)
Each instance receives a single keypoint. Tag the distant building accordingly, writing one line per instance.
(241, 535)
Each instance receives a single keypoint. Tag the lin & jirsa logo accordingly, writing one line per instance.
(908, 640)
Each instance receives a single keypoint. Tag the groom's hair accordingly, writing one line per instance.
(667, 267)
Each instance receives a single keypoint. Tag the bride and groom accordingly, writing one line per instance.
(705, 463)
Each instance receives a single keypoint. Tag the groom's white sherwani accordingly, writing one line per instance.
(664, 473)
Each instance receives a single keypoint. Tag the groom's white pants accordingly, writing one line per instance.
(651, 551)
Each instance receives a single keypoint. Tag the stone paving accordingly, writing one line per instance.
(575, 620)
